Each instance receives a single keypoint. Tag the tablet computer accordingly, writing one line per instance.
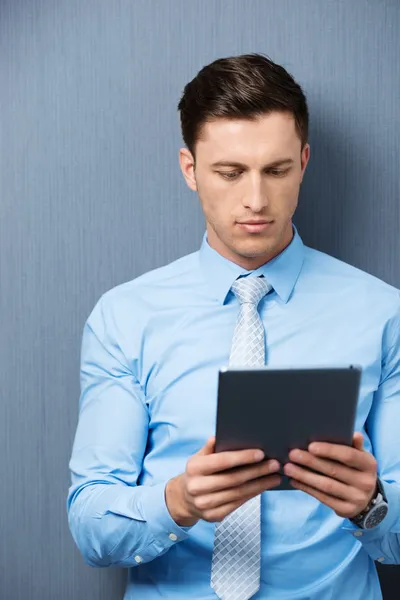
(279, 409)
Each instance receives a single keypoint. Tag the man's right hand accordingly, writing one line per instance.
(216, 484)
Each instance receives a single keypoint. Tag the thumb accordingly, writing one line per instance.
(358, 441)
(208, 448)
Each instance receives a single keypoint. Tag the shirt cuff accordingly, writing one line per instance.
(392, 493)
(165, 531)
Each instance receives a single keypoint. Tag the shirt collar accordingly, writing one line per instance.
(281, 272)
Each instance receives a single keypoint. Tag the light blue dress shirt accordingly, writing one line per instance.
(151, 353)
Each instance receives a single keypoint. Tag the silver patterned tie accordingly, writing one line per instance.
(235, 571)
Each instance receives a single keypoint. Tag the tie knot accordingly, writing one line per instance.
(250, 289)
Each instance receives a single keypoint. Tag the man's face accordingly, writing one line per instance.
(263, 186)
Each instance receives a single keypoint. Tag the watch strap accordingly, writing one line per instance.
(378, 497)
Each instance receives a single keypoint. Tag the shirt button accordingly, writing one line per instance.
(138, 558)
(358, 533)
(173, 537)
(381, 559)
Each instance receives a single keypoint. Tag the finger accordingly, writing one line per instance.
(208, 448)
(347, 455)
(222, 461)
(341, 507)
(328, 486)
(358, 441)
(215, 515)
(223, 481)
(331, 468)
(238, 494)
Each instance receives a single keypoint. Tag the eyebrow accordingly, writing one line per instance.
(276, 163)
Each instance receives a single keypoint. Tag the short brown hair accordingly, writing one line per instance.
(245, 86)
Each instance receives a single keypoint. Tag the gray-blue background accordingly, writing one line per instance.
(91, 195)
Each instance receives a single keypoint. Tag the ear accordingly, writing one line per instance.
(305, 157)
(186, 161)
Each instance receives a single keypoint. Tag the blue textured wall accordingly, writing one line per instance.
(91, 195)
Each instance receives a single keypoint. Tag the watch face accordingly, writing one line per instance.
(376, 516)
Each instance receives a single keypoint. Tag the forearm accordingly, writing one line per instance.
(120, 525)
(382, 542)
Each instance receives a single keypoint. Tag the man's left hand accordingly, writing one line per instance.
(346, 476)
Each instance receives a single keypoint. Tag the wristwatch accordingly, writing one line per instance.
(376, 510)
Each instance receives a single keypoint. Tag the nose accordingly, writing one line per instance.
(256, 198)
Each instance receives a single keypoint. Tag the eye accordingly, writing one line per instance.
(229, 174)
(279, 172)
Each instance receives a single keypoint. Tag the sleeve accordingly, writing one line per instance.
(113, 520)
(383, 542)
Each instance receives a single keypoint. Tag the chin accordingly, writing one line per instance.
(253, 249)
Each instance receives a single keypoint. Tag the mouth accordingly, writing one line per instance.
(254, 226)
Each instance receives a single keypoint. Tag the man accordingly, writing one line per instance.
(148, 491)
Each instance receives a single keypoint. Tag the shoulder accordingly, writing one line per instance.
(324, 271)
(151, 289)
